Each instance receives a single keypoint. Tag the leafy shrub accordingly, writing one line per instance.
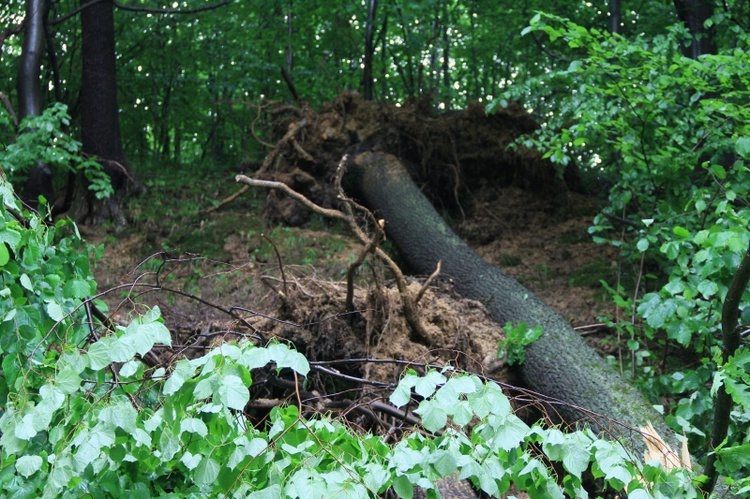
(82, 415)
(670, 135)
(44, 139)
(517, 337)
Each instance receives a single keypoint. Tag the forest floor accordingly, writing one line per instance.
(195, 266)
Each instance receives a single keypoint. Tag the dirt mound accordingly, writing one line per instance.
(446, 153)
(312, 316)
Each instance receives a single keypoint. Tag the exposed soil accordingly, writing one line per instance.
(510, 207)
(289, 282)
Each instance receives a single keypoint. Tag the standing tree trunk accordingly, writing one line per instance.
(100, 122)
(39, 181)
(695, 13)
(615, 16)
(367, 77)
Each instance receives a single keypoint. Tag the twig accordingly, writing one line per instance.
(428, 282)
(285, 295)
(270, 184)
(409, 307)
(226, 200)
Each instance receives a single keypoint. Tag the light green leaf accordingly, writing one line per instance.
(434, 416)
(233, 393)
(55, 311)
(207, 472)
(26, 282)
(99, 353)
(77, 288)
(68, 380)
(194, 425)
(427, 384)
(28, 465)
(510, 433)
(183, 371)
(190, 460)
(25, 428)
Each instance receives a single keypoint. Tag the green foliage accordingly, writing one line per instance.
(82, 415)
(513, 347)
(669, 134)
(44, 139)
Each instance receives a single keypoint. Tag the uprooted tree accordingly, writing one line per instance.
(388, 148)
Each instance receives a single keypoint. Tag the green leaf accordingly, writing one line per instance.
(28, 465)
(742, 145)
(681, 232)
(233, 393)
(194, 425)
(4, 255)
(207, 472)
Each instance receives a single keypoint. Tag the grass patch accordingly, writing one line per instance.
(590, 274)
(508, 260)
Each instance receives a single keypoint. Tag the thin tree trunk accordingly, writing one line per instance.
(39, 179)
(615, 16)
(367, 78)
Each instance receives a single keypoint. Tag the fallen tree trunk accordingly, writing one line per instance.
(558, 365)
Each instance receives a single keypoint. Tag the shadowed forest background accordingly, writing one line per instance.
(375, 248)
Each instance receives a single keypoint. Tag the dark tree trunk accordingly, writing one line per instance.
(695, 13)
(560, 364)
(367, 77)
(100, 123)
(615, 16)
(39, 181)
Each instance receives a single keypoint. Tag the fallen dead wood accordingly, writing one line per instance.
(560, 364)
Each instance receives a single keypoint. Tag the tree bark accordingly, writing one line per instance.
(39, 180)
(695, 13)
(558, 365)
(100, 120)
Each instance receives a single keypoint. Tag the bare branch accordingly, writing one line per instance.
(152, 10)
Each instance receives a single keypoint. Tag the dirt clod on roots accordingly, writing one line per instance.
(314, 319)
(446, 153)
